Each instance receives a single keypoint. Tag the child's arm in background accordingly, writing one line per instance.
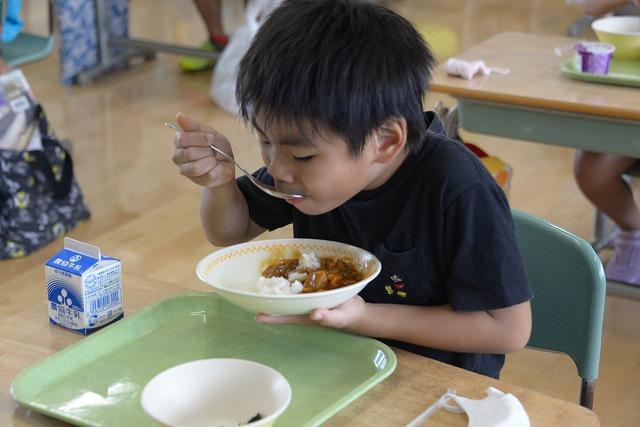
(602, 7)
(224, 213)
(439, 327)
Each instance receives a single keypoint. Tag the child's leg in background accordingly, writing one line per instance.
(599, 176)
(211, 13)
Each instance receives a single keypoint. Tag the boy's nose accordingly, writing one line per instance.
(280, 173)
(278, 169)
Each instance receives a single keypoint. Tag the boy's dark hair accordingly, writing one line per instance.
(346, 65)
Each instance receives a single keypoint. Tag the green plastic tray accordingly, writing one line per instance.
(98, 381)
(621, 73)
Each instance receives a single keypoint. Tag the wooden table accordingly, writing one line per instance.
(27, 337)
(536, 102)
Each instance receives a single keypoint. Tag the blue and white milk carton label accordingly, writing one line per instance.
(84, 287)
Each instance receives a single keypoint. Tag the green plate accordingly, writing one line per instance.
(98, 381)
(621, 73)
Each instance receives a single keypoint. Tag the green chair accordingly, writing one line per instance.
(569, 290)
(27, 47)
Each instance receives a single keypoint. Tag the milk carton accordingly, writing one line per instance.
(84, 287)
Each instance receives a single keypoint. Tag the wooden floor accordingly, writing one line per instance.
(144, 213)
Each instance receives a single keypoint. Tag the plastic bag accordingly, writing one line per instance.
(225, 73)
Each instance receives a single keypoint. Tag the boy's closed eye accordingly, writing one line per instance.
(302, 154)
(298, 157)
(303, 158)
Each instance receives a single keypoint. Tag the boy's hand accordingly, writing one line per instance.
(347, 316)
(196, 160)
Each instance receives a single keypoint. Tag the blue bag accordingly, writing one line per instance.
(79, 50)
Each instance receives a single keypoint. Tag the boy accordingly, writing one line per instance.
(334, 90)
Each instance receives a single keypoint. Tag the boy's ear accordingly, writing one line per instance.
(391, 139)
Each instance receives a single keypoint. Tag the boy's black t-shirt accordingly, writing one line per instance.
(441, 227)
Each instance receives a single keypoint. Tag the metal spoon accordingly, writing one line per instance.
(262, 186)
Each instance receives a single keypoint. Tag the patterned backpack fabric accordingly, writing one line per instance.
(78, 28)
(39, 197)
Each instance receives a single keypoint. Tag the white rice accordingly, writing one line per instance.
(297, 275)
(278, 286)
(308, 261)
(291, 284)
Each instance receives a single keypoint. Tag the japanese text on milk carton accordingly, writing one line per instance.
(83, 287)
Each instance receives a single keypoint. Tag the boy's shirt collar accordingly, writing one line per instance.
(434, 125)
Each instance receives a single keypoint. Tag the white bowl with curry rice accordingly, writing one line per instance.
(288, 276)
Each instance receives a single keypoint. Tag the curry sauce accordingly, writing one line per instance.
(333, 273)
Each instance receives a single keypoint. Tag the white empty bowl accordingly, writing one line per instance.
(234, 271)
(216, 392)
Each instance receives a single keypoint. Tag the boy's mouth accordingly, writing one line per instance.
(295, 201)
(287, 190)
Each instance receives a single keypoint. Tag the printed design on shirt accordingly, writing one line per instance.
(396, 287)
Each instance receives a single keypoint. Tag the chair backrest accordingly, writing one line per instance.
(569, 291)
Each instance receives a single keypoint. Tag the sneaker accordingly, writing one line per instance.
(624, 265)
(192, 64)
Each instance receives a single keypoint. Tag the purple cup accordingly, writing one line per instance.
(595, 57)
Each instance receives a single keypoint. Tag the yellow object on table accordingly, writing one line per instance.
(501, 171)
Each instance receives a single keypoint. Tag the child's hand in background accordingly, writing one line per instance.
(196, 160)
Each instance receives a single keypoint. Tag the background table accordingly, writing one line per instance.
(536, 102)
